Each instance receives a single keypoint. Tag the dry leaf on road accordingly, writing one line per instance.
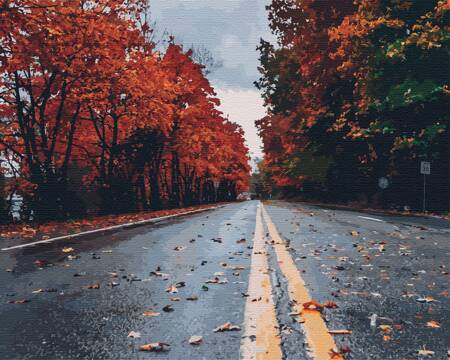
(227, 327)
(134, 334)
(158, 346)
(92, 286)
(21, 301)
(340, 332)
(151, 313)
(433, 324)
(423, 352)
(195, 340)
(172, 289)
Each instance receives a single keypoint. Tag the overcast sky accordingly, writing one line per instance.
(231, 30)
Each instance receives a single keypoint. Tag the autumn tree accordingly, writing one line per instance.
(83, 89)
(362, 84)
(50, 53)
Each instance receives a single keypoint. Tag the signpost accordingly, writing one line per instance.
(383, 183)
(425, 169)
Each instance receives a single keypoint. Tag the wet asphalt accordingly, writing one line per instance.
(392, 269)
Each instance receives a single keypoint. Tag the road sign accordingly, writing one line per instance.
(383, 183)
(425, 167)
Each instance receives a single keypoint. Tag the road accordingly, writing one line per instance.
(267, 270)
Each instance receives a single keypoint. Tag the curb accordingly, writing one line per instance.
(110, 228)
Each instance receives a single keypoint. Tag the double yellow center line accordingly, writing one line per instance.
(261, 339)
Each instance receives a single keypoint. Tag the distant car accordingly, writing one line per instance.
(245, 196)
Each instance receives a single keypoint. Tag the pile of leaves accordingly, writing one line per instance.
(47, 230)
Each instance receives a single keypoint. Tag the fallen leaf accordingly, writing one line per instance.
(157, 273)
(423, 352)
(216, 280)
(92, 286)
(433, 324)
(340, 332)
(168, 308)
(330, 305)
(386, 328)
(68, 249)
(354, 233)
(192, 298)
(227, 327)
(158, 346)
(313, 305)
(175, 299)
(240, 241)
(151, 313)
(134, 334)
(386, 338)
(172, 289)
(338, 353)
(21, 301)
(195, 340)
(179, 248)
(425, 299)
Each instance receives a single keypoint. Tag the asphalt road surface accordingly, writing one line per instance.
(284, 280)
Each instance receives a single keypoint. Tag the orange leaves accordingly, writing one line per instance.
(99, 97)
(315, 305)
(154, 347)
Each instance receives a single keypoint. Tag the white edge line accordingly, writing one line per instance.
(370, 218)
(110, 228)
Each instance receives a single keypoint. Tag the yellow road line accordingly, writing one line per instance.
(316, 331)
(261, 339)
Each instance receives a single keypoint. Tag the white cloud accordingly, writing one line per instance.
(244, 106)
